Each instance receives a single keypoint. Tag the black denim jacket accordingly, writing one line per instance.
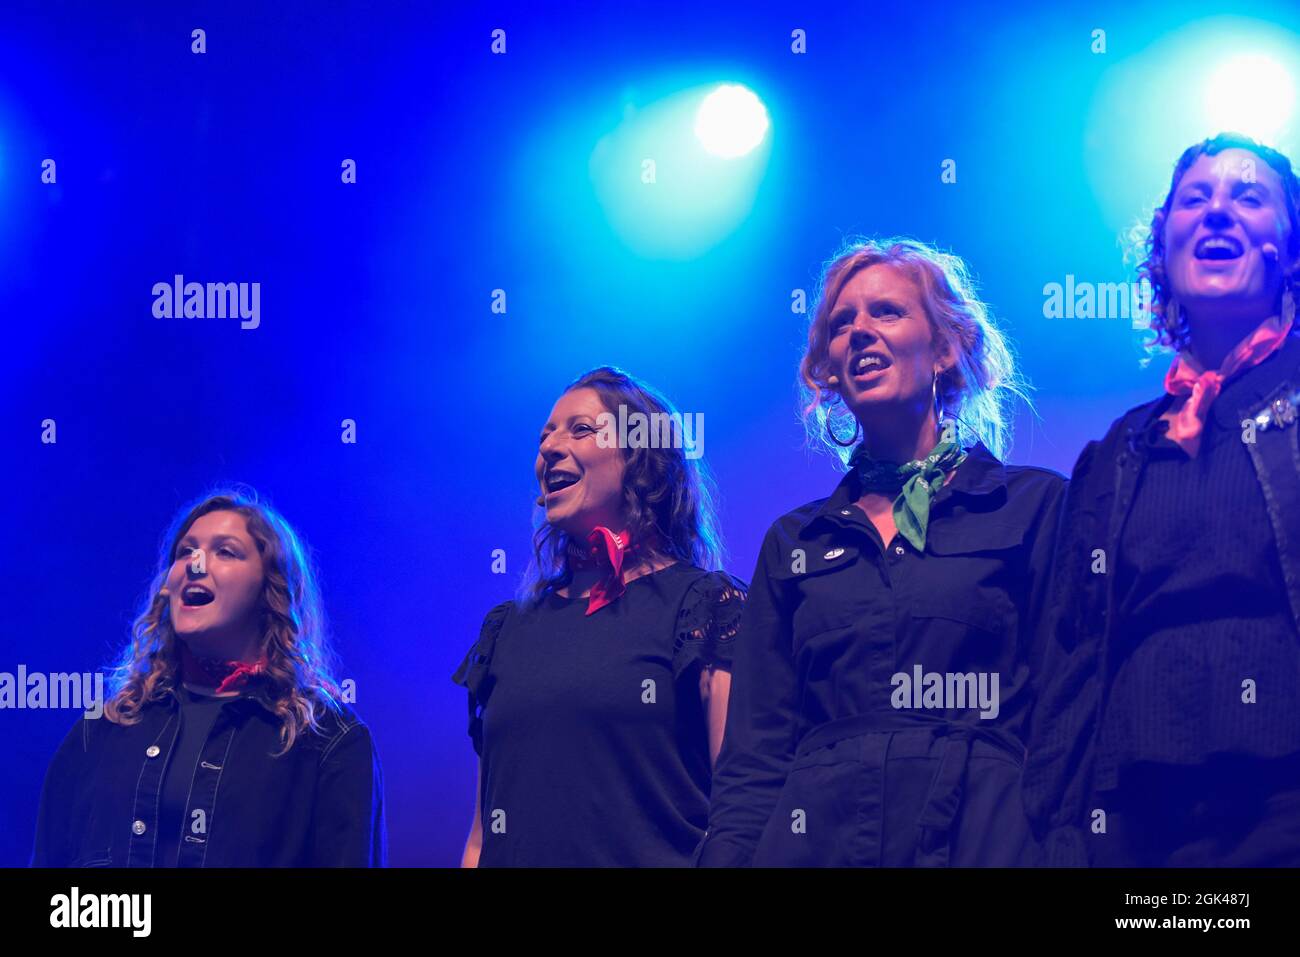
(1065, 766)
(318, 805)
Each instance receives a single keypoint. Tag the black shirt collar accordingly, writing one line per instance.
(980, 474)
(256, 691)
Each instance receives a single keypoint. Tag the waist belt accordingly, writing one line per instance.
(944, 797)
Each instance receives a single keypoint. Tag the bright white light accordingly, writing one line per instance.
(1250, 94)
(731, 121)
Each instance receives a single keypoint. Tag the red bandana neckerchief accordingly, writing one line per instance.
(217, 673)
(605, 549)
(1200, 387)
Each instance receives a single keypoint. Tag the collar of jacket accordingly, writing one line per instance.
(1258, 382)
(980, 474)
(257, 692)
(1246, 392)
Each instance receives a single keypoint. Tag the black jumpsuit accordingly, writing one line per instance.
(828, 757)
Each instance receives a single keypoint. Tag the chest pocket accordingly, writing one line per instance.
(974, 573)
(824, 585)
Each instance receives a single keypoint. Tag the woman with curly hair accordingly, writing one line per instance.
(880, 694)
(225, 742)
(597, 699)
(1169, 729)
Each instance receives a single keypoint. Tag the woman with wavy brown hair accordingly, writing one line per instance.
(1168, 733)
(225, 742)
(597, 698)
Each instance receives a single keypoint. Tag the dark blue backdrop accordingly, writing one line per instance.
(478, 172)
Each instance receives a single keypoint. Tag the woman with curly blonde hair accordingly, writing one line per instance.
(880, 697)
(227, 742)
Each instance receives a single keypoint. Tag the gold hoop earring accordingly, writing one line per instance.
(936, 399)
(857, 428)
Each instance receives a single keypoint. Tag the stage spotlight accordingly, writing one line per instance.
(1218, 75)
(680, 173)
(1252, 94)
(731, 121)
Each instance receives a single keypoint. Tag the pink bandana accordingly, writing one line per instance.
(608, 549)
(1201, 387)
(214, 672)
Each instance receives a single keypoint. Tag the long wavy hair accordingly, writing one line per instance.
(979, 388)
(300, 661)
(1146, 243)
(663, 492)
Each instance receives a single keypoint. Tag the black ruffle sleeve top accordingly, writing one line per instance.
(590, 730)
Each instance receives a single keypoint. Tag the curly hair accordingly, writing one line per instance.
(300, 660)
(976, 391)
(1146, 244)
(663, 492)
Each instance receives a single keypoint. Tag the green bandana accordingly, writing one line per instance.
(914, 484)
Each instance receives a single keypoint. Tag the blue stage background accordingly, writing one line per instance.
(477, 172)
